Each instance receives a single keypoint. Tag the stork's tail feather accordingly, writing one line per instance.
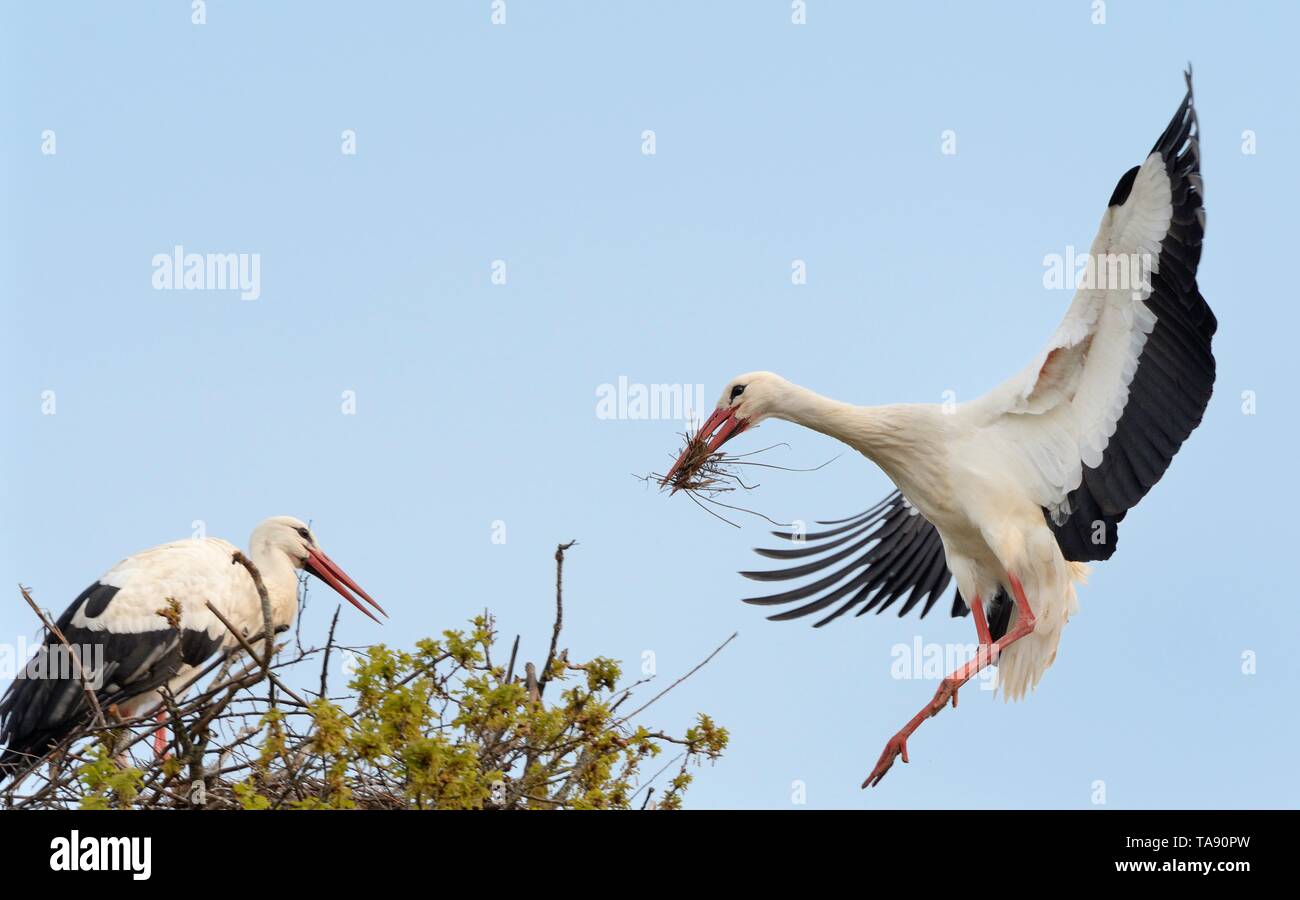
(27, 742)
(1052, 596)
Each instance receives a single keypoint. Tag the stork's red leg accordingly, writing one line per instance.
(981, 623)
(160, 736)
(985, 645)
(897, 745)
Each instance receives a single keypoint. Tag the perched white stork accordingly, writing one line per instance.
(128, 647)
(1012, 493)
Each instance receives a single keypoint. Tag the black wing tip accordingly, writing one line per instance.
(1124, 187)
(761, 601)
(771, 575)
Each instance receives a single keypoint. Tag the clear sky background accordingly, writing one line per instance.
(476, 402)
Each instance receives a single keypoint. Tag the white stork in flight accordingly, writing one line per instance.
(129, 650)
(1012, 493)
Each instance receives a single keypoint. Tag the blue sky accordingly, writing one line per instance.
(476, 402)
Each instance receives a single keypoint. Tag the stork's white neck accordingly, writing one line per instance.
(280, 576)
(903, 439)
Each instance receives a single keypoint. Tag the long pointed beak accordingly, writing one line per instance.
(329, 572)
(720, 427)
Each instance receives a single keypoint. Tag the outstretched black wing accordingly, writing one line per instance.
(1174, 375)
(871, 560)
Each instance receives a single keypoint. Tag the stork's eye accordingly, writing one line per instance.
(304, 534)
(737, 391)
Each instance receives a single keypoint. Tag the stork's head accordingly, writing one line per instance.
(745, 401)
(292, 537)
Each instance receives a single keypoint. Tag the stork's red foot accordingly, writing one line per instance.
(948, 689)
(897, 746)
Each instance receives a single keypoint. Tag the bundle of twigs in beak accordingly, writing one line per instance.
(700, 471)
(703, 476)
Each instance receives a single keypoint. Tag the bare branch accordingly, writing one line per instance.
(642, 708)
(559, 615)
(264, 661)
(268, 626)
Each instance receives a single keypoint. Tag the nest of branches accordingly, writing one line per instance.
(442, 725)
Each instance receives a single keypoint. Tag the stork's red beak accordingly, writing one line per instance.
(720, 427)
(329, 572)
